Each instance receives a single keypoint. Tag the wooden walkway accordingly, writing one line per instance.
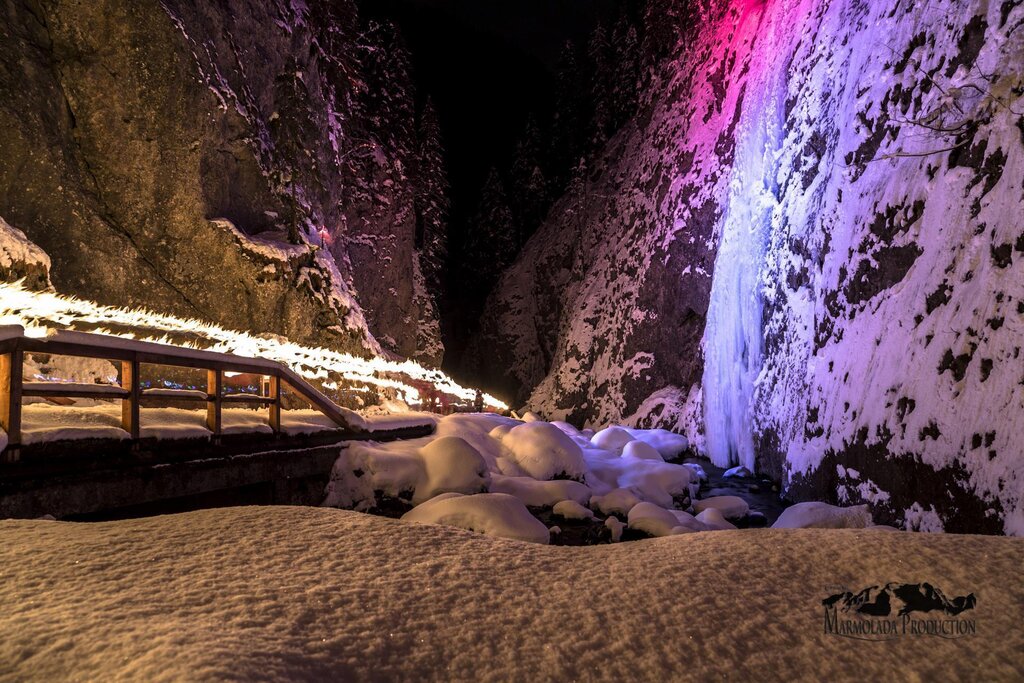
(134, 357)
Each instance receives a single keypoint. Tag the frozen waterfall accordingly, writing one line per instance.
(733, 337)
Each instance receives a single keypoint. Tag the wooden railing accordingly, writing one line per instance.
(132, 355)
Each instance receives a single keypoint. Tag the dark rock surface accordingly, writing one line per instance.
(127, 126)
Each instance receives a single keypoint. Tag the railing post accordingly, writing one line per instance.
(130, 381)
(10, 400)
(214, 387)
(275, 407)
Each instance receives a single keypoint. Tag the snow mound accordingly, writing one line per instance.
(687, 520)
(669, 444)
(824, 516)
(661, 483)
(492, 514)
(738, 471)
(655, 521)
(363, 469)
(641, 451)
(544, 451)
(612, 439)
(616, 527)
(476, 429)
(451, 465)
(541, 493)
(617, 501)
(731, 507)
(567, 428)
(697, 470)
(570, 509)
(713, 519)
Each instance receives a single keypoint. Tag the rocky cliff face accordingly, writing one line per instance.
(806, 252)
(130, 129)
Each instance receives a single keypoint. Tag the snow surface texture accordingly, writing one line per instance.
(827, 195)
(315, 594)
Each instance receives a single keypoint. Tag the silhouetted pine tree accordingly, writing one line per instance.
(387, 101)
(528, 185)
(601, 74)
(491, 244)
(433, 204)
(567, 134)
(578, 199)
(626, 65)
(663, 23)
(291, 126)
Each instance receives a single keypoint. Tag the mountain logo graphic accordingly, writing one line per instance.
(899, 609)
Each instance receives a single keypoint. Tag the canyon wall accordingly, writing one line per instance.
(806, 252)
(162, 152)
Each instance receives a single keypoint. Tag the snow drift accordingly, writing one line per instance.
(315, 594)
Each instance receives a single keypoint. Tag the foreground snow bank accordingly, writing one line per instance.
(318, 594)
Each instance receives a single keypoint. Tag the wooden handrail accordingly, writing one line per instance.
(132, 354)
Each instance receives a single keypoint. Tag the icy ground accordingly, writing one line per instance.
(553, 483)
(317, 594)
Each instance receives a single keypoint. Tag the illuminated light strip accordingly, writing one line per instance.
(40, 312)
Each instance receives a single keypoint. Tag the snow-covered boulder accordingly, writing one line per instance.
(689, 521)
(537, 493)
(529, 416)
(824, 516)
(659, 482)
(616, 527)
(731, 507)
(363, 469)
(714, 520)
(500, 431)
(612, 439)
(544, 451)
(697, 470)
(669, 444)
(738, 471)
(570, 509)
(617, 501)
(655, 521)
(476, 429)
(493, 514)
(451, 465)
(567, 428)
(641, 451)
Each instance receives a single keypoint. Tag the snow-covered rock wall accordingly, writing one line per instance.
(805, 252)
(128, 128)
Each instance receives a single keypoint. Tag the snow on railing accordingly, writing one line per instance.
(42, 312)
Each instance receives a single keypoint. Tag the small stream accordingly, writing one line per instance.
(761, 493)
